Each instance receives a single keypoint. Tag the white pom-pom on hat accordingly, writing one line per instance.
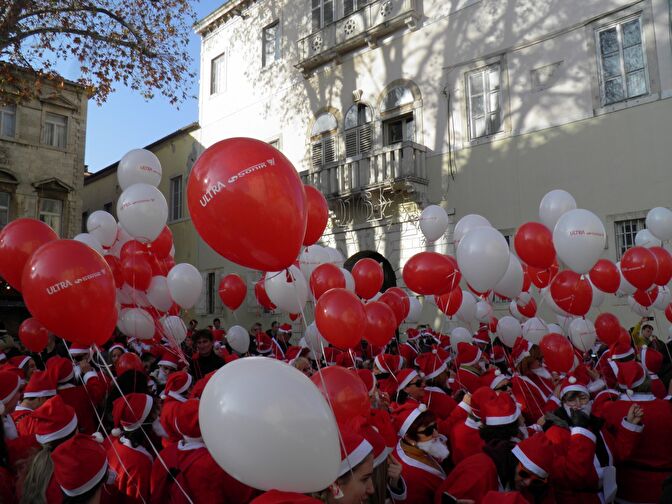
(498, 372)
(116, 432)
(97, 437)
(422, 407)
(629, 392)
(434, 351)
(572, 379)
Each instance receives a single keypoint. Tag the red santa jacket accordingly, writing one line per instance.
(167, 420)
(408, 352)
(532, 399)
(465, 440)
(457, 416)
(438, 402)
(640, 476)
(468, 379)
(133, 466)
(84, 398)
(19, 414)
(421, 474)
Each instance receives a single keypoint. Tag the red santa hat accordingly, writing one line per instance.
(186, 420)
(54, 420)
(482, 396)
(294, 352)
(130, 411)
(573, 383)
(278, 497)
(380, 451)
(345, 359)
(331, 355)
(76, 349)
(168, 359)
(199, 386)
(354, 450)
(19, 361)
(493, 377)
(41, 384)
(535, 454)
(285, 329)
(388, 363)
(621, 349)
(80, 464)
(369, 380)
(602, 399)
(177, 385)
(652, 360)
(264, 343)
(482, 336)
(500, 410)
(117, 346)
(382, 421)
(521, 350)
(9, 386)
(61, 369)
(412, 334)
(444, 341)
(467, 354)
(405, 415)
(433, 363)
(630, 375)
(404, 377)
(497, 354)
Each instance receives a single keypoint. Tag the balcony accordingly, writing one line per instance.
(360, 28)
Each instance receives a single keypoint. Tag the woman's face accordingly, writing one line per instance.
(359, 485)
(115, 354)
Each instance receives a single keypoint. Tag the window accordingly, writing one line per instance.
(323, 13)
(55, 130)
(622, 61)
(358, 130)
(210, 293)
(271, 43)
(85, 217)
(483, 101)
(323, 140)
(275, 143)
(399, 129)
(218, 74)
(176, 198)
(350, 6)
(108, 207)
(625, 234)
(4, 208)
(50, 213)
(8, 121)
(397, 97)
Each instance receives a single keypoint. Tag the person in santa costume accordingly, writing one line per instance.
(433, 366)
(652, 362)
(387, 480)
(464, 437)
(175, 392)
(191, 470)
(409, 349)
(25, 363)
(128, 454)
(469, 371)
(10, 392)
(410, 386)
(165, 366)
(41, 387)
(640, 477)
(531, 382)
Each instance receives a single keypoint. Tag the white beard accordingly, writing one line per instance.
(436, 448)
(542, 372)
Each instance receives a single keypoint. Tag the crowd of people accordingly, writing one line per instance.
(467, 423)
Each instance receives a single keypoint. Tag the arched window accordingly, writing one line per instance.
(358, 130)
(397, 107)
(323, 140)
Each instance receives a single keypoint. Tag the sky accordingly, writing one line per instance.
(126, 121)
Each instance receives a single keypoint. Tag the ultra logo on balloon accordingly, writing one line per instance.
(212, 192)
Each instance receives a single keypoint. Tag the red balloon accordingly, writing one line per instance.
(232, 291)
(542, 277)
(128, 361)
(294, 316)
(572, 293)
(69, 287)
(132, 247)
(396, 304)
(369, 276)
(324, 277)
(479, 294)
(404, 299)
(340, 317)
(262, 297)
(247, 202)
(318, 214)
(664, 263)
(431, 273)
(33, 335)
(646, 297)
(529, 310)
(380, 323)
(605, 276)
(608, 328)
(534, 245)
(174, 310)
(137, 271)
(557, 352)
(668, 312)
(18, 240)
(450, 302)
(639, 267)
(166, 265)
(163, 243)
(526, 280)
(345, 391)
(492, 326)
(156, 265)
(115, 267)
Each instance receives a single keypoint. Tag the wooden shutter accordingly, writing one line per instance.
(329, 149)
(351, 143)
(366, 138)
(317, 155)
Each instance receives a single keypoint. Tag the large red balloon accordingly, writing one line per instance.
(128, 362)
(232, 291)
(528, 310)
(646, 297)
(404, 299)
(605, 276)
(163, 243)
(324, 277)
(639, 267)
(247, 202)
(318, 214)
(340, 318)
(368, 275)
(33, 335)
(608, 328)
(18, 240)
(69, 287)
(345, 391)
(534, 245)
(571, 292)
(449, 302)
(115, 267)
(262, 297)
(668, 312)
(542, 277)
(396, 304)
(664, 263)
(557, 352)
(137, 271)
(431, 273)
(380, 323)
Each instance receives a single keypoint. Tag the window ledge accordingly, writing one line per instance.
(54, 148)
(273, 65)
(633, 102)
(177, 221)
(487, 139)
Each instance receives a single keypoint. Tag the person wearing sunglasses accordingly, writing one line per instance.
(410, 385)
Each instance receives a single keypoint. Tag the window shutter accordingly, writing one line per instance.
(348, 6)
(351, 143)
(366, 138)
(201, 305)
(317, 154)
(329, 149)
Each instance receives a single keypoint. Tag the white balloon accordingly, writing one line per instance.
(664, 298)
(548, 299)
(640, 310)
(513, 309)
(314, 341)
(645, 238)
(511, 284)
(598, 295)
(137, 323)
(336, 258)
(534, 329)
(554, 205)
(137, 297)
(350, 281)
(311, 257)
(564, 322)
(158, 294)
(466, 224)
(659, 222)
(460, 334)
(173, 328)
(483, 311)
(120, 318)
(483, 257)
(143, 211)
(625, 288)
(414, 311)
(123, 297)
(433, 222)
(91, 241)
(467, 310)
(508, 330)
(139, 166)
(579, 238)
(238, 339)
(103, 226)
(554, 328)
(184, 284)
(272, 408)
(582, 334)
(524, 298)
(288, 290)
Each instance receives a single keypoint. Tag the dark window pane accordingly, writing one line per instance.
(632, 34)
(613, 90)
(634, 58)
(611, 65)
(609, 41)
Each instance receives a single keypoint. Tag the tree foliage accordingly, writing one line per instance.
(140, 43)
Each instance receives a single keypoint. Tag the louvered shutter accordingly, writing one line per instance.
(351, 143)
(329, 149)
(317, 155)
(365, 138)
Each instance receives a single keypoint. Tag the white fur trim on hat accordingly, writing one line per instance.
(60, 433)
(11, 394)
(623, 355)
(528, 464)
(89, 484)
(167, 363)
(437, 371)
(412, 416)
(403, 383)
(41, 393)
(520, 358)
(503, 420)
(382, 457)
(499, 378)
(355, 457)
(149, 402)
(479, 354)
